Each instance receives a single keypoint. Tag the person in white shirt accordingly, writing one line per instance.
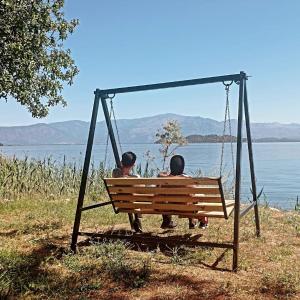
(127, 164)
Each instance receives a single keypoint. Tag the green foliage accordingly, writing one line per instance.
(74, 263)
(33, 62)
(15, 270)
(169, 135)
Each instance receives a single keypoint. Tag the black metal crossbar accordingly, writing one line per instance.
(246, 210)
(172, 84)
(96, 205)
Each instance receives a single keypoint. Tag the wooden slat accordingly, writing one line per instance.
(209, 213)
(229, 203)
(229, 210)
(170, 206)
(170, 198)
(163, 190)
(163, 181)
(199, 214)
(185, 197)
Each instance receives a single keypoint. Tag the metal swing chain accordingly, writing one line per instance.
(231, 148)
(107, 136)
(112, 114)
(115, 121)
(226, 119)
(231, 143)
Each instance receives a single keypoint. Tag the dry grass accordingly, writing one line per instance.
(37, 205)
(35, 262)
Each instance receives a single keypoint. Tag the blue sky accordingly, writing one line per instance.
(123, 43)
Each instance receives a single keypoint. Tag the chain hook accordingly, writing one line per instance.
(227, 85)
(111, 97)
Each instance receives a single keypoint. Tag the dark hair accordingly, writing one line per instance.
(128, 159)
(177, 165)
(116, 173)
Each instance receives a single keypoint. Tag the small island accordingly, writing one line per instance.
(211, 138)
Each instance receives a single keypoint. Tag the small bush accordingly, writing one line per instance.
(72, 262)
(178, 255)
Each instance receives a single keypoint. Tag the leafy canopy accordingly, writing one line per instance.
(33, 63)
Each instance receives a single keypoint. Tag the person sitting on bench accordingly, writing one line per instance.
(127, 164)
(176, 170)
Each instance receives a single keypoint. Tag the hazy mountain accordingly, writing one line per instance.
(141, 130)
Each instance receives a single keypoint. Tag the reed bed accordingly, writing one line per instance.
(51, 179)
(47, 178)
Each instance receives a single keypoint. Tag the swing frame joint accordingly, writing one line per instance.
(97, 93)
(104, 96)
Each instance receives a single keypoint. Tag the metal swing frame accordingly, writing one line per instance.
(243, 111)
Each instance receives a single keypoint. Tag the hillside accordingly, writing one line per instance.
(140, 130)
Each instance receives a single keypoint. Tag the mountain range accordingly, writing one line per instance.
(139, 130)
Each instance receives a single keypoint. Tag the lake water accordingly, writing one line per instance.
(277, 165)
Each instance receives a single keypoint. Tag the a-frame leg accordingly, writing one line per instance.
(251, 162)
(113, 144)
(85, 171)
(238, 175)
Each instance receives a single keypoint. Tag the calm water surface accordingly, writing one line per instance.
(277, 165)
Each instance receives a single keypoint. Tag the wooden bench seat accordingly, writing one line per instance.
(185, 197)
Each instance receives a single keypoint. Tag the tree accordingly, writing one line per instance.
(169, 135)
(33, 62)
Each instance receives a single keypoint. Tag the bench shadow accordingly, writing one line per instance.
(151, 242)
(10, 233)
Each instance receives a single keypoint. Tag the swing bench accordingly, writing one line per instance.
(184, 197)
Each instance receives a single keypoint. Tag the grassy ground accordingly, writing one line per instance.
(35, 261)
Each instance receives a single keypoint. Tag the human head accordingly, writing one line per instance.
(117, 172)
(128, 159)
(177, 165)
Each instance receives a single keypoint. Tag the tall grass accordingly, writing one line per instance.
(47, 178)
(50, 179)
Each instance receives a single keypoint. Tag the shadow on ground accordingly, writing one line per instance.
(149, 242)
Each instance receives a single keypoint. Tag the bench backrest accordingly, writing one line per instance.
(187, 197)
